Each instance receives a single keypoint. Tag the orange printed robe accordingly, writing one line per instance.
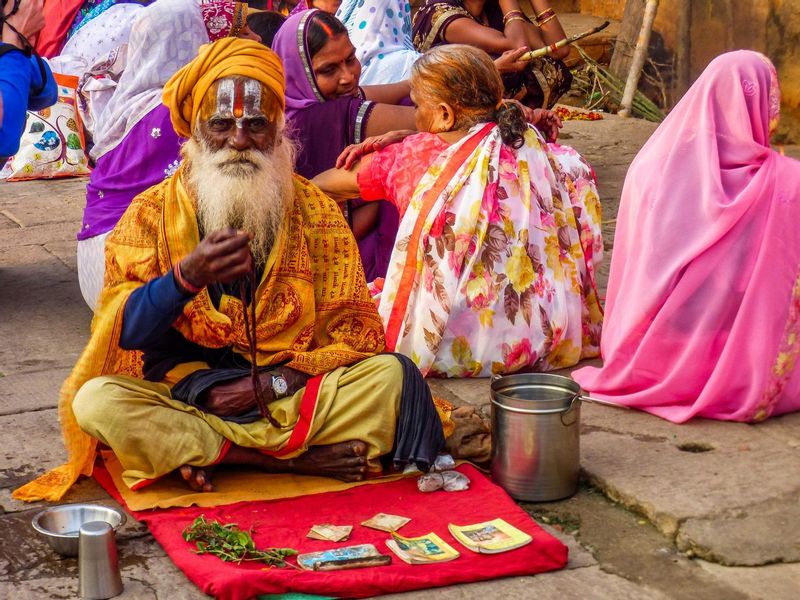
(313, 310)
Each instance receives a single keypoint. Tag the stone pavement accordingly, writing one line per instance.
(702, 510)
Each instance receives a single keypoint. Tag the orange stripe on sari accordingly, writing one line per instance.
(400, 305)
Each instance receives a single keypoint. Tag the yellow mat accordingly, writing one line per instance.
(230, 485)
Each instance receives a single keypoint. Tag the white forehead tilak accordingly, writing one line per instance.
(239, 99)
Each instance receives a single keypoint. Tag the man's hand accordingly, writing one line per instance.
(237, 397)
(353, 153)
(234, 397)
(28, 20)
(222, 256)
(509, 61)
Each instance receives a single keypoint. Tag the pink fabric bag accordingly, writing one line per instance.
(703, 309)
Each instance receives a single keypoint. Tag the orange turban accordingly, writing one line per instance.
(228, 57)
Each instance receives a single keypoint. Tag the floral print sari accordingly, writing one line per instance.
(493, 270)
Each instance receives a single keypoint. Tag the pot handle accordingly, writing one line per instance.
(577, 398)
(603, 402)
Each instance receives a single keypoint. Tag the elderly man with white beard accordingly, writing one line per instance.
(234, 262)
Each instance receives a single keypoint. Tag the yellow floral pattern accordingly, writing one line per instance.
(505, 267)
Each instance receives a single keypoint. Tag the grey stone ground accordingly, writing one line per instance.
(704, 511)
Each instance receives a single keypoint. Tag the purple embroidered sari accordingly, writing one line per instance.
(135, 144)
(149, 153)
(323, 128)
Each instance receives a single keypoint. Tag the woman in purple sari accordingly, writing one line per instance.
(327, 111)
(135, 146)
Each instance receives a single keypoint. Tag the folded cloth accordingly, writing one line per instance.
(284, 523)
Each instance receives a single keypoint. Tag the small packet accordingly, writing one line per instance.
(443, 462)
(449, 481)
(384, 522)
(330, 533)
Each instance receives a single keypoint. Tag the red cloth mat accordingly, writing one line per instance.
(285, 523)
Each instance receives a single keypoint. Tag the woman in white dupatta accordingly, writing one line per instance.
(493, 270)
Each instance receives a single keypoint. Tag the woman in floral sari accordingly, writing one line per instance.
(493, 268)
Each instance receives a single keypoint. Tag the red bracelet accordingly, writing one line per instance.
(182, 282)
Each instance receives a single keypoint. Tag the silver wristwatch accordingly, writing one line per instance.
(279, 386)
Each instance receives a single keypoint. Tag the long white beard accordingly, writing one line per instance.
(248, 190)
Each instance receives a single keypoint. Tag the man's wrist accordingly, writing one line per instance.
(183, 283)
(294, 381)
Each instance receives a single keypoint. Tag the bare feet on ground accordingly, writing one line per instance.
(346, 461)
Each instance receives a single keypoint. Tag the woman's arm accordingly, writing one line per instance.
(387, 93)
(387, 117)
(550, 29)
(516, 33)
(339, 184)
(365, 218)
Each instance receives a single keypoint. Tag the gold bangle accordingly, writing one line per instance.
(544, 12)
(547, 20)
(510, 14)
(515, 19)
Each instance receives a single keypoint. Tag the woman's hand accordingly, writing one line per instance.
(353, 153)
(529, 113)
(548, 123)
(509, 61)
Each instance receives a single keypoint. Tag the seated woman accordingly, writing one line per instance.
(327, 110)
(496, 26)
(381, 32)
(703, 309)
(493, 268)
(135, 146)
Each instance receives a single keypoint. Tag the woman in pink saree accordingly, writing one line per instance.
(703, 310)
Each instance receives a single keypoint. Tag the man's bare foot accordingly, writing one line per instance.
(346, 461)
(198, 478)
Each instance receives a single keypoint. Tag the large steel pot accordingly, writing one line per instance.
(535, 435)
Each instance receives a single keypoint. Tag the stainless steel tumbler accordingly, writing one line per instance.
(98, 564)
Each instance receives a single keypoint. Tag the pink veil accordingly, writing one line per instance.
(703, 308)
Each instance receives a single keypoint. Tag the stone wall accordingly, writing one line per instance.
(769, 26)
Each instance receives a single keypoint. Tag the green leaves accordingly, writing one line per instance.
(231, 544)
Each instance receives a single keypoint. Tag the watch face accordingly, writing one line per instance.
(279, 385)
